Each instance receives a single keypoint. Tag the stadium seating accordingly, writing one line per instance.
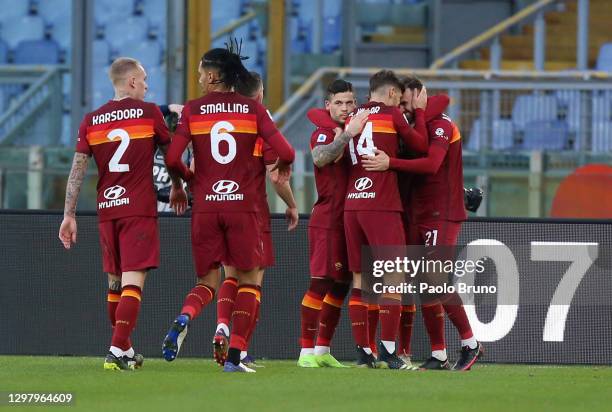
(3, 52)
(602, 136)
(503, 135)
(545, 135)
(13, 10)
(528, 108)
(332, 34)
(100, 53)
(149, 53)
(223, 12)
(106, 11)
(37, 52)
(604, 59)
(23, 28)
(120, 32)
(102, 87)
(57, 16)
(156, 80)
(156, 12)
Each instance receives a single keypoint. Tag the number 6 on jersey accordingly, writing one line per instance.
(217, 136)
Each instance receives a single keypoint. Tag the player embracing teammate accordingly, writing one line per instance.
(435, 210)
(223, 127)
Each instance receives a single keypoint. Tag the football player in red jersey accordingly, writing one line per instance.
(122, 135)
(330, 277)
(223, 127)
(264, 159)
(373, 205)
(436, 212)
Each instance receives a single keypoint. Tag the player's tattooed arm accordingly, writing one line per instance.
(75, 180)
(175, 178)
(326, 154)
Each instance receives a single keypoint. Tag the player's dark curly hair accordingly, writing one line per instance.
(385, 78)
(412, 82)
(338, 86)
(229, 64)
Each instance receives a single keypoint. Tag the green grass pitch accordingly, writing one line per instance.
(199, 385)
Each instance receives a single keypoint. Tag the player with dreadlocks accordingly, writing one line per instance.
(223, 127)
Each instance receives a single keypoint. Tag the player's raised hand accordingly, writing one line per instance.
(377, 163)
(292, 218)
(280, 173)
(178, 199)
(357, 123)
(68, 231)
(419, 101)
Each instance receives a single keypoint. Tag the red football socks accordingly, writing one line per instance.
(330, 313)
(196, 300)
(390, 311)
(256, 318)
(373, 316)
(311, 309)
(358, 312)
(225, 300)
(453, 305)
(433, 316)
(243, 315)
(112, 300)
(126, 316)
(405, 329)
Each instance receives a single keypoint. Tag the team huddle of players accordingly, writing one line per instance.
(235, 145)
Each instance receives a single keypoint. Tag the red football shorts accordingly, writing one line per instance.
(129, 244)
(233, 238)
(328, 258)
(371, 228)
(436, 233)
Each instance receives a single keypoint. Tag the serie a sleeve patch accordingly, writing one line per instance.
(322, 137)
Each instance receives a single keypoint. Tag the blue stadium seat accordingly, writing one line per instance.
(133, 29)
(602, 107)
(503, 135)
(149, 53)
(156, 12)
(37, 52)
(66, 138)
(570, 102)
(100, 54)
(604, 59)
(102, 87)
(13, 10)
(106, 11)
(528, 108)
(602, 137)
(546, 135)
(3, 52)
(223, 13)
(332, 8)
(23, 28)
(156, 80)
(332, 34)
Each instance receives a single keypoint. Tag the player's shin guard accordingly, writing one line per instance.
(126, 316)
(433, 317)
(225, 300)
(358, 312)
(373, 316)
(390, 311)
(311, 309)
(405, 329)
(453, 305)
(330, 313)
(196, 300)
(242, 320)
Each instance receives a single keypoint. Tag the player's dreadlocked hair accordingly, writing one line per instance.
(229, 64)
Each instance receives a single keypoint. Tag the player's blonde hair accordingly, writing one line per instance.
(121, 68)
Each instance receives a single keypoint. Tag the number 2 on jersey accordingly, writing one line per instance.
(114, 165)
(365, 144)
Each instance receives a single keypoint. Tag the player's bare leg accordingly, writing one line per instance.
(242, 319)
(121, 355)
(200, 296)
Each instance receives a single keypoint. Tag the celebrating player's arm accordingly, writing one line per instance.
(283, 190)
(430, 164)
(325, 154)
